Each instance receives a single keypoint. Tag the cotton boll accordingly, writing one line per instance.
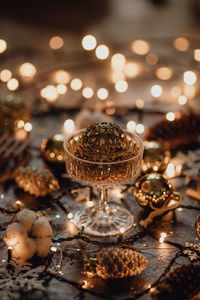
(43, 245)
(41, 228)
(15, 233)
(26, 217)
(23, 251)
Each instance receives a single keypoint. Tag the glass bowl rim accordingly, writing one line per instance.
(104, 163)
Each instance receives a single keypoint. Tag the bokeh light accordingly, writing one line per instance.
(28, 127)
(139, 103)
(131, 126)
(76, 84)
(69, 126)
(27, 70)
(189, 91)
(140, 47)
(87, 92)
(189, 77)
(56, 42)
(170, 116)
(102, 52)
(118, 61)
(116, 76)
(131, 69)
(156, 91)
(175, 91)
(102, 93)
(5, 75)
(61, 89)
(89, 42)
(49, 93)
(3, 46)
(12, 84)
(139, 128)
(164, 73)
(152, 59)
(182, 100)
(62, 77)
(197, 54)
(181, 44)
(121, 86)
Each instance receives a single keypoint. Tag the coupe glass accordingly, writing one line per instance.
(104, 220)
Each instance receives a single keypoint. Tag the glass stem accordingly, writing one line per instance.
(103, 202)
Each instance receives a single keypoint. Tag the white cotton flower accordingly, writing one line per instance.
(15, 233)
(26, 217)
(24, 250)
(41, 228)
(43, 245)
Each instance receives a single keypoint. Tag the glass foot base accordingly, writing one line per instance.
(119, 220)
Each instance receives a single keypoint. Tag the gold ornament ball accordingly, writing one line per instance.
(52, 149)
(13, 109)
(197, 225)
(152, 191)
(155, 158)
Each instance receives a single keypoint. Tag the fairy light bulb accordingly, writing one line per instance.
(3, 46)
(5, 75)
(170, 116)
(87, 92)
(102, 93)
(118, 61)
(102, 52)
(131, 69)
(56, 42)
(27, 70)
(181, 44)
(76, 84)
(140, 47)
(121, 86)
(62, 77)
(89, 42)
(12, 84)
(162, 237)
(156, 91)
(189, 77)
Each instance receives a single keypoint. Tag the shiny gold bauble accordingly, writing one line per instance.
(14, 113)
(197, 225)
(155, 158)
(52, 149)
(153, 191)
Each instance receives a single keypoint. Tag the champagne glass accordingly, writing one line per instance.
(104, 220)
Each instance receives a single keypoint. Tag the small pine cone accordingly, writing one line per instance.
(119, 263)
(36, 182)
(181, 284)
(182, 131)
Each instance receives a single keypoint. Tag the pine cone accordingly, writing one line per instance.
(181, 284)
(119, 263)
(36, 182)
(182, 131)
